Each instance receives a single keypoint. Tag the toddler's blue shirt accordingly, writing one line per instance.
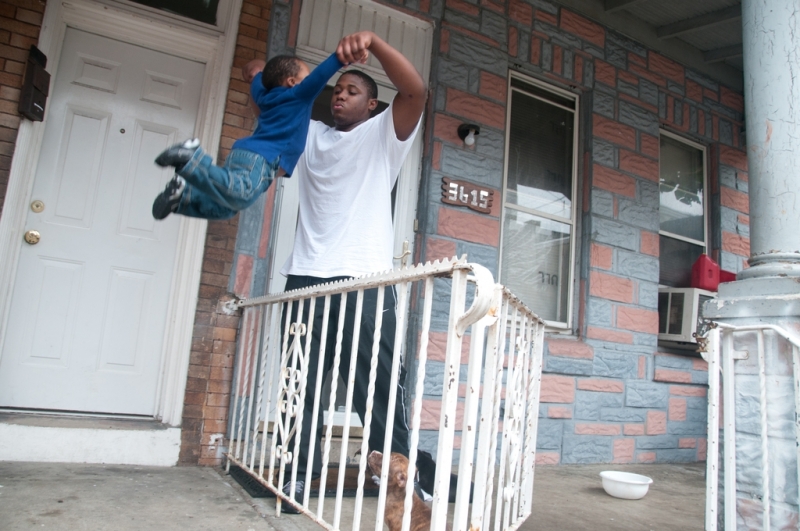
(285, 114)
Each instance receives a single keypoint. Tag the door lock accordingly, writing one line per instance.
(32, 237)
(37, 206)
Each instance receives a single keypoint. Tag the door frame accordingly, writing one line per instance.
(153, 31)
(419, 52)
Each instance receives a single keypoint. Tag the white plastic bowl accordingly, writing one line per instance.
(625, 485)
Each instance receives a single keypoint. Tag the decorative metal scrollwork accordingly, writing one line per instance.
(290, 392)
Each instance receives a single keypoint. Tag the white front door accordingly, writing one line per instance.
(88, 311)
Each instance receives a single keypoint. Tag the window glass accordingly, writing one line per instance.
(540, 156)
(681, 211)
(200, 10)
(676, 258)
(538, 214)
(535, 264)
(681, 189)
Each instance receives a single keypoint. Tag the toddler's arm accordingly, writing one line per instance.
(313, 84)
(249, 72)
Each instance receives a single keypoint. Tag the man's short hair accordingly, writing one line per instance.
(372, 87)
(278, 70)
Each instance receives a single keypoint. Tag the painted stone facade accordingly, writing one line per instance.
(608, 394)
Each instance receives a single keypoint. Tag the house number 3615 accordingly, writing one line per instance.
(462, 193)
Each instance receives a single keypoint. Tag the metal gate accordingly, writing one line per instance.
(491, 400)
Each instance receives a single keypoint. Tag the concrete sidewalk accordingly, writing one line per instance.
(133, 498)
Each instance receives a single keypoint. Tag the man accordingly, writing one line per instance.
(346, 176)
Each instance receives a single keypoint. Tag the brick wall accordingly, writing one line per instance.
(20, 22)
(208, 387)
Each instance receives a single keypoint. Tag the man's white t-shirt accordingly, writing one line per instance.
(346, 178)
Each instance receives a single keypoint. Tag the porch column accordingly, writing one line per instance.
(771, 33)
(768, 292)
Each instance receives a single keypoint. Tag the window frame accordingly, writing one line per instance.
(554, 326)
(706, 196)
(225, 10)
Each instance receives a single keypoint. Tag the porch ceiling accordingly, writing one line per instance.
(712, 26)
(705, 35)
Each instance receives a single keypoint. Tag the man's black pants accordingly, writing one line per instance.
(384, 367)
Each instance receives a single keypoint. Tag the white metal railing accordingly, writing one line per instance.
(500, 402)
(718, 349)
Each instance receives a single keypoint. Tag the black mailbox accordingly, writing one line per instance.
(35, 87)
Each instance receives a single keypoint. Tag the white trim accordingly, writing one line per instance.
(90, 445)
(407, 193)
(337, 18)
(573, 221)
(223, 9)
(682, 238)
(155, 33)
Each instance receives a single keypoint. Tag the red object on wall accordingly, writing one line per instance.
(705, 273)
(726, 276)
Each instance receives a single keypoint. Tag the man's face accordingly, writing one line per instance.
(350, 103)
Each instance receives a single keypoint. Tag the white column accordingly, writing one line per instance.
(771, 32)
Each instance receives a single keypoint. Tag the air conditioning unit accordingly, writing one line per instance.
(678, 312)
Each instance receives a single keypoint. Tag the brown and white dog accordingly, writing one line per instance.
(396, 494)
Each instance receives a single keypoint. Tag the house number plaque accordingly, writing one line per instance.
(463, 193)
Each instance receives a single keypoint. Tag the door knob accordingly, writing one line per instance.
(32, 237)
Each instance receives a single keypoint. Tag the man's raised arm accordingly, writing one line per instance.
(411, 91)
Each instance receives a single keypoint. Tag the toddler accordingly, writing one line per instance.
(284, 92)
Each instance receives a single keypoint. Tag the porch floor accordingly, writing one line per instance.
(133, 498)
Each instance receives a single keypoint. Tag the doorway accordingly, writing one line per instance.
(89, 306)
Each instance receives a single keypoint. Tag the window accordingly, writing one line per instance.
(682, 213)
(200, 10)
(538, 224)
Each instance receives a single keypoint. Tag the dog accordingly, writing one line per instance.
(426, 473)
(396, 494)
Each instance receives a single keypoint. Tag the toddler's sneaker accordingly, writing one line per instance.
(167, 201)
(179, 154)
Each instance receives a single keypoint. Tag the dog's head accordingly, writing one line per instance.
(398, 467)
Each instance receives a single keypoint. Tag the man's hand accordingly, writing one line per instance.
(354, 48)
(411, 90)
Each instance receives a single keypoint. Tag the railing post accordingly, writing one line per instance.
(729, 419)
(711, 356)
(447, 420)
(487, 436)
(534, 389)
